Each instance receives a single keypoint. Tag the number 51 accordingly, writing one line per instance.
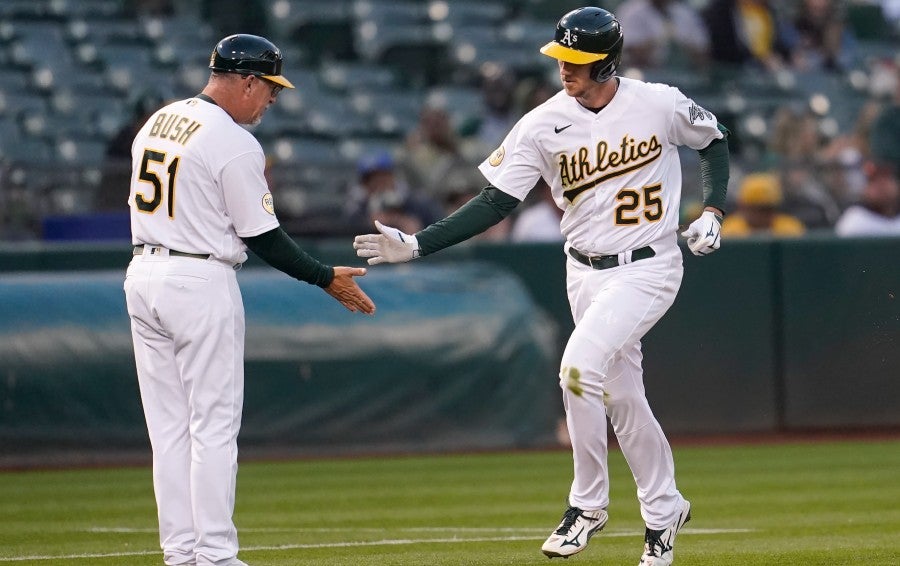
(146, 175)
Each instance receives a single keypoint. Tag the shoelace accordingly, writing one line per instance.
(569, 517)
(651, 539)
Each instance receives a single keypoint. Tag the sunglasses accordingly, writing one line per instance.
(276, 88)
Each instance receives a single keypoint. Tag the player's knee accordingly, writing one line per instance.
(579, 382)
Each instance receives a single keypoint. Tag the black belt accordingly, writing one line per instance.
(138, 250)
(607, 261)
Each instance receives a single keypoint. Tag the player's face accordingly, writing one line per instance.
(576, 79)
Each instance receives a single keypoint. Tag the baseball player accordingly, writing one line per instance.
(607, 147)
(198, 201)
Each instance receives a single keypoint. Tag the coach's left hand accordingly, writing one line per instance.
(347, 292)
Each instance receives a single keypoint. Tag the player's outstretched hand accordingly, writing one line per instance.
(347, 292)
(390, 245)
(704, 235)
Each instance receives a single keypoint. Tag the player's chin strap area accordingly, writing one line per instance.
(613, 260)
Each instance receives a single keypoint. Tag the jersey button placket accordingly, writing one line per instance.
(597, 208)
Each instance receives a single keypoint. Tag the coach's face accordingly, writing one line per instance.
(576, 79)
(258, 94)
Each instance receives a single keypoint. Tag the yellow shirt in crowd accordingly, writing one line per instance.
(736, 225)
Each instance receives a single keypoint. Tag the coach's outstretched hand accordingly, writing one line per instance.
(347, 292)
(390, 246)
(704, 235)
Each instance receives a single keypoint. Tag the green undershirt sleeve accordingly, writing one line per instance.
(487, 208)
(277, 249)
(714, 171)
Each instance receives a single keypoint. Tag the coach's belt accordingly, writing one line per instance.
(607, 261)
(138, 250)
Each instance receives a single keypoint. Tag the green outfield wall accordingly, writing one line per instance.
(765, 336)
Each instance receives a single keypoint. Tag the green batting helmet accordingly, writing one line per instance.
(588, 35)
(249, 55)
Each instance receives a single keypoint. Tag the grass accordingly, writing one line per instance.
(789, 504)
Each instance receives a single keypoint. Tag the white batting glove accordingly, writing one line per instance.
(704, 235)
(390, 246)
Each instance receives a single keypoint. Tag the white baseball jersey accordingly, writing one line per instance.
(616, 173)
(198, 183)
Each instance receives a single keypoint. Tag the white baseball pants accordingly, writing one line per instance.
(187, 323)
(613, 309)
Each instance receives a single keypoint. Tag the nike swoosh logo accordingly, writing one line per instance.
(558, 130)
(574, 541)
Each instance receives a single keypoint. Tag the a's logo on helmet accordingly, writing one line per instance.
(569, 38)
(212, 58)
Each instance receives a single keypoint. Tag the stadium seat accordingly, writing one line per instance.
(413, 50)
(75, 150)
(29, 150)
(94, 9)
(391, 12)
(351, 149)
(39, 41)
(9, 136)
(513, 56)
(393, 111)
(305, 150)
(349, 76)
(461, 103)
(21, 105)
(551, 10)
(182, 29)
(323, 39)
(286, 16)
(466, 13)
(12, 80)
(24, 9)
(100, 31)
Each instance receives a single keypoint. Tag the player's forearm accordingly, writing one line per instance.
(277, 249)
(486, 209)
(714, 172)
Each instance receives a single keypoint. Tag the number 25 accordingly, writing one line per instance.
(147, 175)
(630, 200)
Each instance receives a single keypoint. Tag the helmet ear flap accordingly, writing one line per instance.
(603, 70)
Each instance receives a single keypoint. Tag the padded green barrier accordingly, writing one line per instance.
(710, 363)
(457, 357)
(765, 335)
(842, 333)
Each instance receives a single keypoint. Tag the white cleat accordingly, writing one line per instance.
(574, 532)
(659, 545)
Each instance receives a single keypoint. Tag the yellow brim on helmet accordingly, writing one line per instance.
(557, 51)
(279, 80)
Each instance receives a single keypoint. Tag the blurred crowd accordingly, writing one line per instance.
(804, 178)
(801, 173)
